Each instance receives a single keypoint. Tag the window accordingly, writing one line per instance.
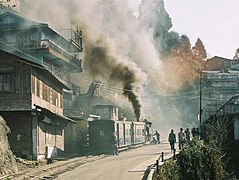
(33, 84)
(51, 95)
(45, 87)
(5, 82)
(58, 100)
(41, 89)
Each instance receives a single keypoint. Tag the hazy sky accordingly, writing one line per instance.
(216, 22)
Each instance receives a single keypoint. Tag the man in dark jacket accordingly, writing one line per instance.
(172, 140)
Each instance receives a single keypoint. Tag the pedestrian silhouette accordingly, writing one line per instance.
(197, 133)
(114, 145)
(172, 140)
(187, 134)
(181, 138)
(193, 132)
(157, 136)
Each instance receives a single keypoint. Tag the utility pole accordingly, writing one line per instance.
(200, 98)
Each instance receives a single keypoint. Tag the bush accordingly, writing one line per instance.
(195, 161)
(169, 170)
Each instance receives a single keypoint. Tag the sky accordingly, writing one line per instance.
(215, 22)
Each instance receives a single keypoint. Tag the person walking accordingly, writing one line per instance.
(187, 134)
(157, 136)
(114, 145)
(197, 134)
(193, 132)
(172, 140)
(181, 138)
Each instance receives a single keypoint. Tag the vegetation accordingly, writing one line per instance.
(196, 161)
(219, 129)
(208, 159)
(200, 49)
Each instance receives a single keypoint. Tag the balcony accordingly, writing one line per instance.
(59, 73)
(51, 51)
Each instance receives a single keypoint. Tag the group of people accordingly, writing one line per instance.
(183, 136)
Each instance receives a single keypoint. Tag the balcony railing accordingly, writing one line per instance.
(47, 44)
(228, 77)
(59, 73)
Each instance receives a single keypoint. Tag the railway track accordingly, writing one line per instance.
(51, 171)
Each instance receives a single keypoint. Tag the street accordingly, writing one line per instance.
(129, 165)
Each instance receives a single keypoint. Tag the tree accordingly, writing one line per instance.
(185, 45)
(200, 49)
(236, 56)
(153, 15)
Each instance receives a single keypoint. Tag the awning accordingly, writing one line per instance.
(53, 118)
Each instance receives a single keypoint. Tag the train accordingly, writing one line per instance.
(92, 134)
(129, 133)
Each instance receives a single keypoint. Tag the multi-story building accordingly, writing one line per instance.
(35, 66)
(218, 87)
(31, 104)
(220, 82)
(220, 102)
(57, 54)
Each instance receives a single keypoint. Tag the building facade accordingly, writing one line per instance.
(35, 67)
(31, 104)
(219, 83)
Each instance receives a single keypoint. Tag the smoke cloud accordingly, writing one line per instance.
(124, 51)
(100, 63)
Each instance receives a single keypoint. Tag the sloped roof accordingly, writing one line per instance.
(232, 100)
(54, 115)
(31, 61)
(217, 63)
(11, 21)
(19, 53)
(219, 58)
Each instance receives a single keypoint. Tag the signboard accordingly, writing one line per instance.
(236, 129)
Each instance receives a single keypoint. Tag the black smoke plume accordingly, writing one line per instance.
(100, 63)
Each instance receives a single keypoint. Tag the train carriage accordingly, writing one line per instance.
(119, 129)
(128, 133)
(100, 133)
(122, 129)
(138, 132)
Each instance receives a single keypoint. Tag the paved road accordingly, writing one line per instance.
(129, 165)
